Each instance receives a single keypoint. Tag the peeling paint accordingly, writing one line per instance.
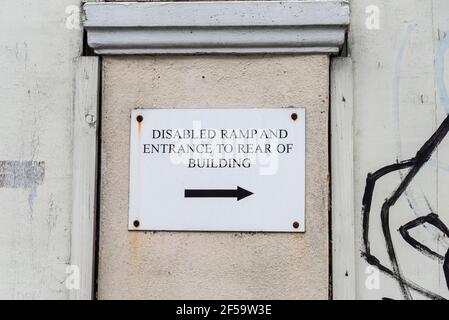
(21, 174)
(91, 120)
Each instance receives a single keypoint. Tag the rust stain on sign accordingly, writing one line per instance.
(21, 174)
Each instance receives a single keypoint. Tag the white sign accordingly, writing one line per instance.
(217, 169)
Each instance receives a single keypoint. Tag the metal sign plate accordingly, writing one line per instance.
(217, 170)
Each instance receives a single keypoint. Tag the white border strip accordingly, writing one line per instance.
(342, 170)
(85, 135)
(216, 27)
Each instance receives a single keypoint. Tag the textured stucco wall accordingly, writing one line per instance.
(37, 49)
(212, 265)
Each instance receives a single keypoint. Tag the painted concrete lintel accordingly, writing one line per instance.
(216, 27)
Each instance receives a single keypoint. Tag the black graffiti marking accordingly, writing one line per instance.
(430, 219)
(434, 220)
(414, 165)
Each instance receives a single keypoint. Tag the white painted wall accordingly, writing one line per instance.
(400, 99)
(37, 51)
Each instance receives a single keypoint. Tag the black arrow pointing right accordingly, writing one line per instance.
(238, 193)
